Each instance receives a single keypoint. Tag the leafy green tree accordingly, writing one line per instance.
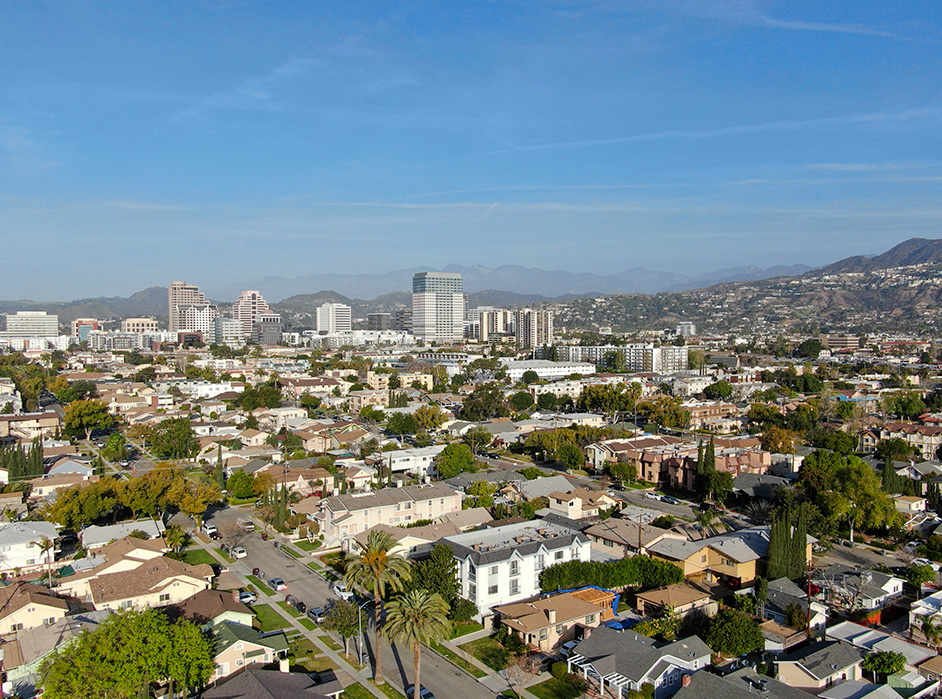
(82, 417)
(486, 401)
(895, 449)
(809, 349)
(916, 575)
(530, 472)
(115, 447)
(430, 417)
(345, 619)
(622, 471)
(263, 396)
(530, 376)
(455, 459)
(733, 633)
(438, 573)
(570, 455)
(174, 439)
(402, 423)
(378, 570)
(546, 401)
(884, 663)
(418, 617)
(125, 654)
(521, 400)
(721, 390)
(241, 484)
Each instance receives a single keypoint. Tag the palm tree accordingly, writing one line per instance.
(377, 569)
(708, 519)
(176, 537)
(419, 618)
(45, 544)
(932, 630)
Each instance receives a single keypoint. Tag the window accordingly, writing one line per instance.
(559, 629)
(670, 680)
(590, 619)
(540, 562)
(492, 590)
(515, 567)
(16, 627)
(49, 621)
(515, 587)
(126, 604)
(165, 597)
(472, 572)
(703, 558)
(608, 542)
(542, 634)
(492, 571)
(472, 590)
(559, 555)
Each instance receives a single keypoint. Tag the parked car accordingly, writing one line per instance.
(296, 603)
(340, 589)
(316, 614)
(248, 597)
(926, 562)
(209, 528)
(671, 501)
(912, 546)
(277, 584)
(215, 536)
(652, 496)
(423, 692)
(239, 552)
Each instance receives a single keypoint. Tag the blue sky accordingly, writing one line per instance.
(225, 141)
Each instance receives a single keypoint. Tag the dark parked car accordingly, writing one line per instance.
(296, 603)
(671, 501)
(423, 693)
(316, 614)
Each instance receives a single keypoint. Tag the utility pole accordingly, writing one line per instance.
(808, 591)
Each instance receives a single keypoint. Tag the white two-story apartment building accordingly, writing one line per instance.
(341, 517)
(501, 565)
(21, 546)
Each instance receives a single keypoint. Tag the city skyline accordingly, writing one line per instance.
(680, 137)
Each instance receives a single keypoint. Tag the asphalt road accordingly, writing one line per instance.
(438, 675)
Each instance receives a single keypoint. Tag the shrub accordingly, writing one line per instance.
(559, 670)
(463, 610)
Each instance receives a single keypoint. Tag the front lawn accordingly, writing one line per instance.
(259, 585)
(307, 623)
(553, 689)
(464, 628)
(291, 552)
(489, 652)
(195, 557)
(306, 545)
(268, 618)
(356, 691)
(291, 610)
(389, 691)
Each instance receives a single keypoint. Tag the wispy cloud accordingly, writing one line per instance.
(256, 94)
(743, 129)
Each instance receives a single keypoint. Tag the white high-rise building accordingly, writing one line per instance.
(32, 324)
(200, 319)
(438, 306)
(334, 318)
(534, 328)
(181, 294)
(247, 309)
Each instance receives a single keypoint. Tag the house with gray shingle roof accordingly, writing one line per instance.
(619, 661)
(820, 665)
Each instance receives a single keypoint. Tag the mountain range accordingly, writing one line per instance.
(511, 286)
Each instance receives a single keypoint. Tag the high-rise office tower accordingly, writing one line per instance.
(379, 321)
(534, 328)
(181, 294)
(334, 318)
(438, 306)
(247, 309)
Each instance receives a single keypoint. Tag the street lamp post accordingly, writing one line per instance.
(360, 631)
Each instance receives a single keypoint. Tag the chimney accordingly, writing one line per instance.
(551, 613)
(283, 664)
(685, 681)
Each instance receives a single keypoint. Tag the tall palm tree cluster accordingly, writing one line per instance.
(417, 617)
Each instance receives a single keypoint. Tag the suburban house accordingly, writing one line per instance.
(617, 661)
(523, 491)
(682, 599)
(344, 516)
(21, 546)
(734, 558)
(274, 684)
(863, 589)
(782, 594)
(544, 623)
(820, 665)
(929, 607)
(45, 487)
(500, 565)
(238, 646)
(869, 640)
(210, 607)
(742, 684)
(418, 462)
(95, 537)
(621, 538)
(926, 438)
(580, 503)
(25, 606)
(135, 573)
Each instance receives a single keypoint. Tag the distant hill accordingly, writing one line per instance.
(914, 251)
(526, 281)
(149, 302)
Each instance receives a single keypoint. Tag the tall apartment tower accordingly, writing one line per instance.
(438, 306)
(181, 294)
(334, 318)
(247, 309)
(534, 328)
